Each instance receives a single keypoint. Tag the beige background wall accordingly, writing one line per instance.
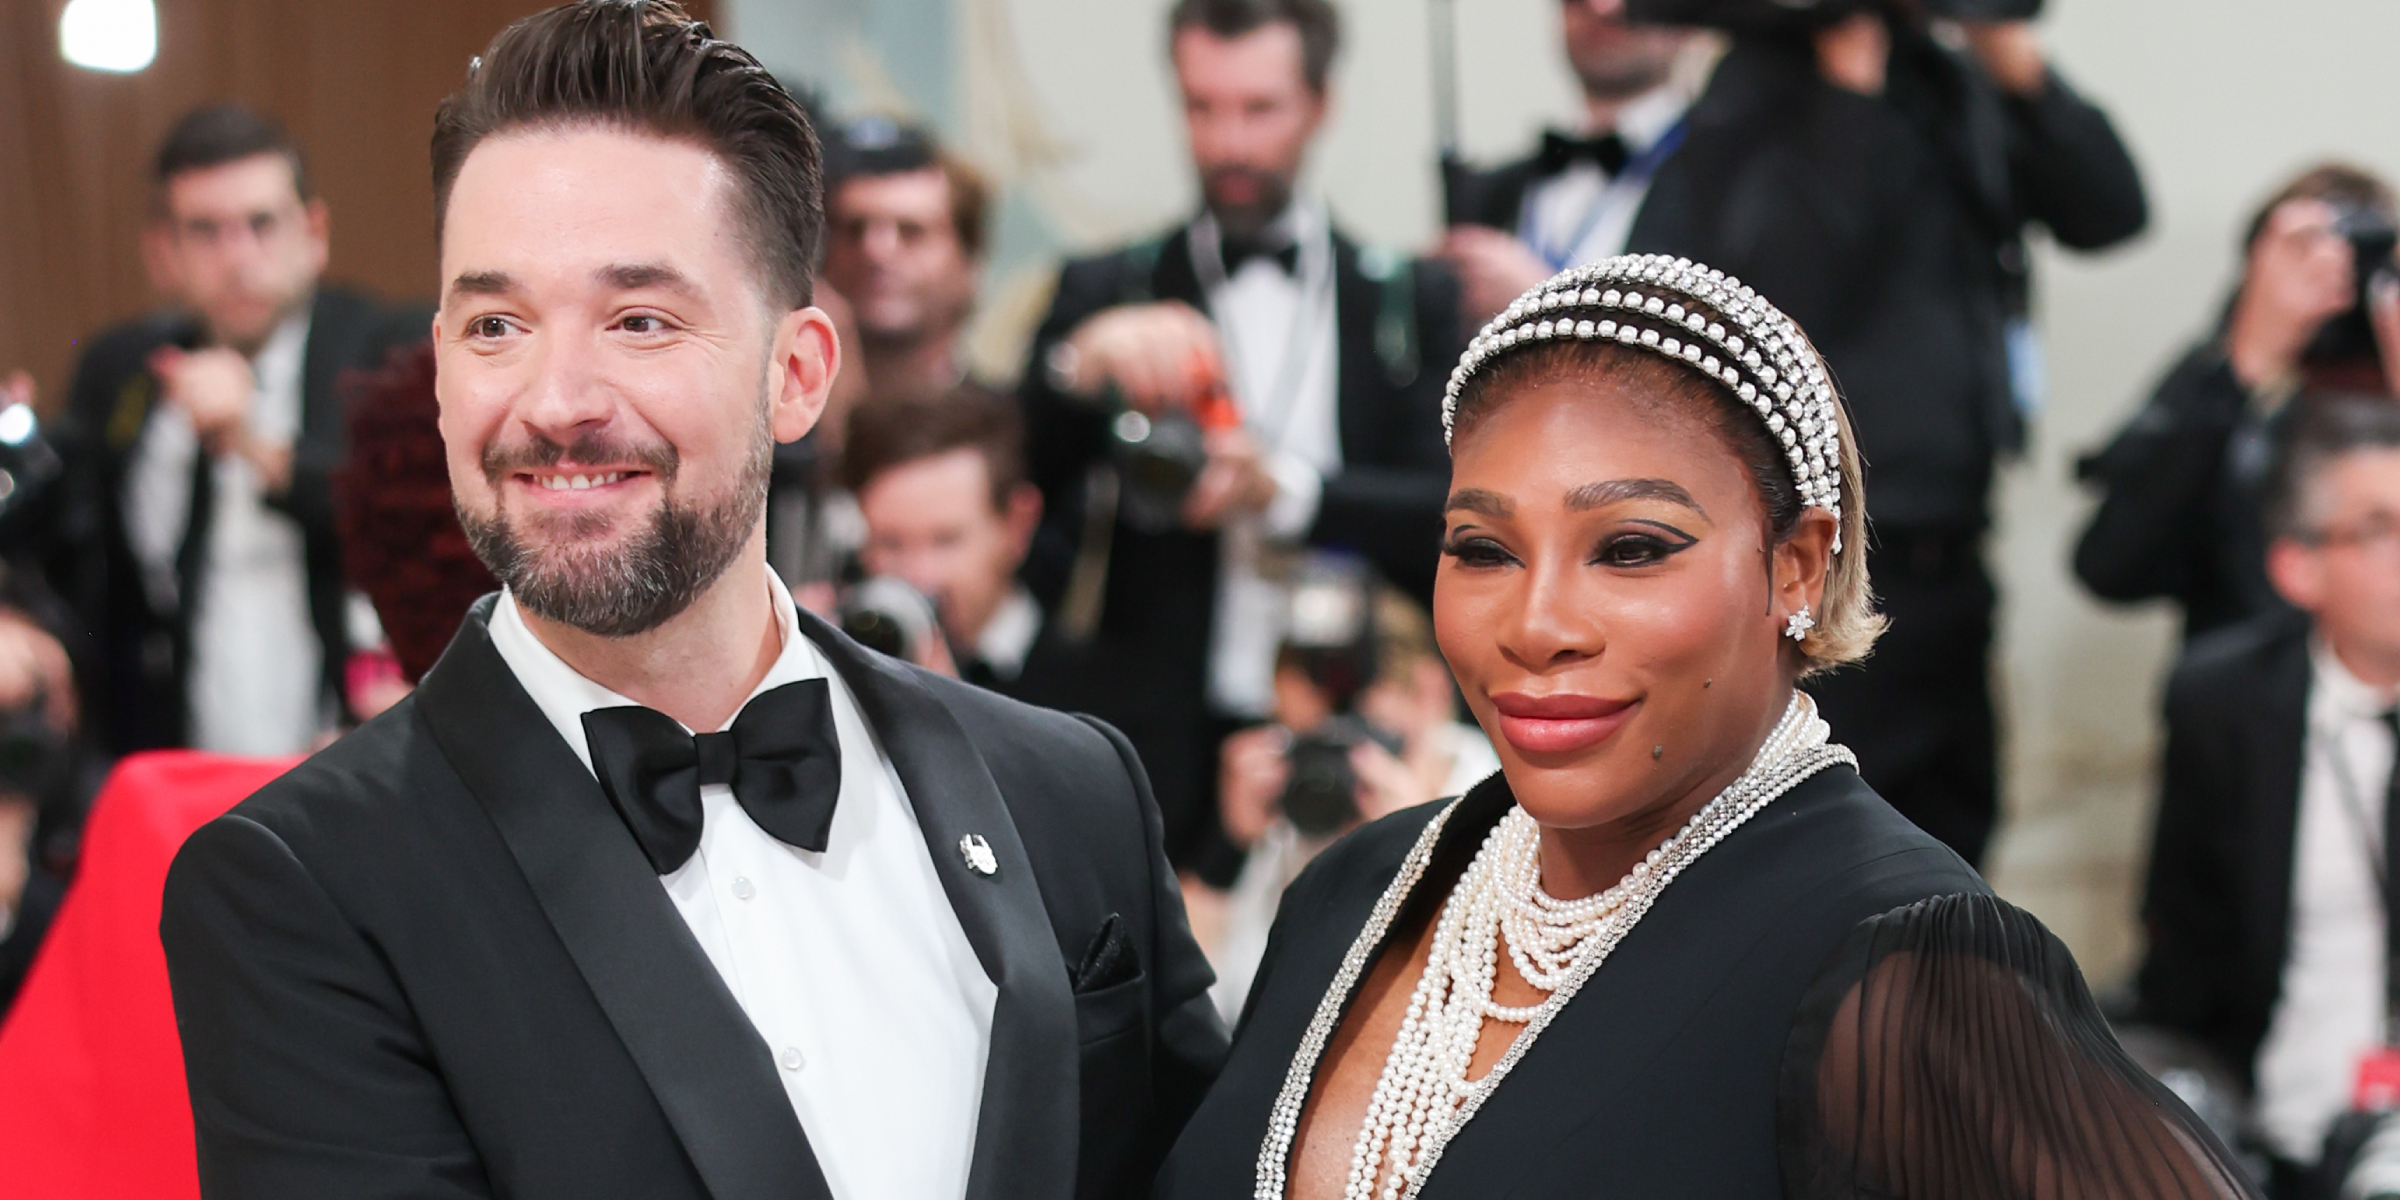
(2219, 98)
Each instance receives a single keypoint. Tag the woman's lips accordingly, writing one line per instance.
(1559, 724)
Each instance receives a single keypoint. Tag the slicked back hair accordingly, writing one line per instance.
(217, 134)
(1319, 25)
(646, 66)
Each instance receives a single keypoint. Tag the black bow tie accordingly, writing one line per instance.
(781, 757)
(1607, 151)
(1237, 251)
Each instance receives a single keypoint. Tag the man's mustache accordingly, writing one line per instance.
(500, 459)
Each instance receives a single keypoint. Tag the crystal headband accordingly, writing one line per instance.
(1751, 347)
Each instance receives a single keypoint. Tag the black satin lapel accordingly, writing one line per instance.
(1025, 1132)
(703, 1059)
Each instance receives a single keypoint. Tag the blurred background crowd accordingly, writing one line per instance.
(1147, 310)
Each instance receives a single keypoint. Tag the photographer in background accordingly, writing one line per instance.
(1202, 404)
(1366, 724)
(1873, 167)
(2267, 907)
(193, 530)
(905, 228)
(2317, 307)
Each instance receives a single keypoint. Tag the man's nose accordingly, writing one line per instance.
(566, 392)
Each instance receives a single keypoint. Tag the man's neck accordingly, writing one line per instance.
(2375, 668)
(249, 347)
(927, 365)
(1600, 113)
(701, 664)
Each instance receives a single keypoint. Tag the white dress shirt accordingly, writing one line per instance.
(1281, 334)
(1582, 215)
(1008, 636)
(253, 686)
(850, 963)
(2330, 1009)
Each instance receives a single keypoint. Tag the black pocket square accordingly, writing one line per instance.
(1109, 960)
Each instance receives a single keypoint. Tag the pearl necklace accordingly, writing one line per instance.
(1423, 1096)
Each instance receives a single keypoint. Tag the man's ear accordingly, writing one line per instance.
(158, 258)
(2297, 573)
(1024, 515)
(320, 232)
(806, 356)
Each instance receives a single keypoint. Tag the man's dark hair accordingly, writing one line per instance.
(873, 147)
(1319, 25)
(217, 134)
(646, 66)
(2322, 429)
(884, 434)
(2335, 183)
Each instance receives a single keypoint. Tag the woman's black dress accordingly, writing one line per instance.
(1829, 1003)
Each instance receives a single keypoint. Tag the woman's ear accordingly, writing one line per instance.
(1801, 564)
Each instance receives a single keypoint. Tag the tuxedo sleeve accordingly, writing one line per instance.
(1190, 1039)
(308, 1076)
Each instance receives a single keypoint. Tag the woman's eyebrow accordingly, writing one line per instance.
(1480, 500)
(1615, 491)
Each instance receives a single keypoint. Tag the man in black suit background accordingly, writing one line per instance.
(1878, 184)
(876, 934)
(192, 532)
(2270, 939)
(1309, 368)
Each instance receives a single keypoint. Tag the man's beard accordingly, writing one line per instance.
(619, 591)
(1246, 220)
(1626, 71)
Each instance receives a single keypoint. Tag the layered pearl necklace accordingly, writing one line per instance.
(1423, 1095)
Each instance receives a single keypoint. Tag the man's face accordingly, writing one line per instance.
(612, 374)
(238, 244)
(1250, 113)
(2346, 571)
(1614, 60)
(895, 255)
(932, 524)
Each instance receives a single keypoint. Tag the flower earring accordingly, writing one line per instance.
(1796, 627)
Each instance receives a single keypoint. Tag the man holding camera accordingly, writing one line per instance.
(1202, 403)
(193, 529)
(1872, 166)
(2317, 308)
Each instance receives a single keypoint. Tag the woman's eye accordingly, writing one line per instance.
(1635, 550)
(1477, 552)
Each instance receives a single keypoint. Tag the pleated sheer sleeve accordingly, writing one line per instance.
(1951, 1050)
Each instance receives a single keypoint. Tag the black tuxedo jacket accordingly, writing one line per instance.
(1398, 336)
(1891, 229)
(2218, 905)
(432, 962)
(130, 654)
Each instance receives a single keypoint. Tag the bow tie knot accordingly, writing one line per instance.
(782, 758)
(1238, 251)
(1606, 151)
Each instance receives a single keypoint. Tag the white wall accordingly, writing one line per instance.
(2219, 98)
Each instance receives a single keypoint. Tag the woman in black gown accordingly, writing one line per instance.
(1677, 947)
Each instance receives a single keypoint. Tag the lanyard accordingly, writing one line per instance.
(1316, 305)
(1622, 186)
(2354, 807)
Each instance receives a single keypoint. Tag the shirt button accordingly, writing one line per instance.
(742, 888)
(792, 1060)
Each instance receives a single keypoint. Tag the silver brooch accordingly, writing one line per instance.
(978, 854)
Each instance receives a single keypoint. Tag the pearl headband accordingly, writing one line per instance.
(1751, 348)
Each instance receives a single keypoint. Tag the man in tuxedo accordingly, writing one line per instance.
(2270, 938)
(1203, 402)
(873, 933)
(192, 530)
(1875, 180)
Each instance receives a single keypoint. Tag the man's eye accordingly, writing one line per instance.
(640, 323)
(487, 327)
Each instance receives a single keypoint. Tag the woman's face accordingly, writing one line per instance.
(1610, 605)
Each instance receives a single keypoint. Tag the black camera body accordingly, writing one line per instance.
(1786, 16)
(1321, 797)
(2350, 337)
(1158, 459)
(888, 616)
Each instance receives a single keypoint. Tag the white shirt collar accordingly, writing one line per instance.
(565, 694)
(1646, 118)
(1008, 636)
(2346, 694)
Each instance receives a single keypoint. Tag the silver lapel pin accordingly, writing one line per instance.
(978, 854)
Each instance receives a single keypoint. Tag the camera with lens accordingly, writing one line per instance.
(1159, 456)
(2350, 337)
(1331, 639)
(1777, 16)
(886, 615)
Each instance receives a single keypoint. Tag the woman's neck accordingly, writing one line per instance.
(1585, 861)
